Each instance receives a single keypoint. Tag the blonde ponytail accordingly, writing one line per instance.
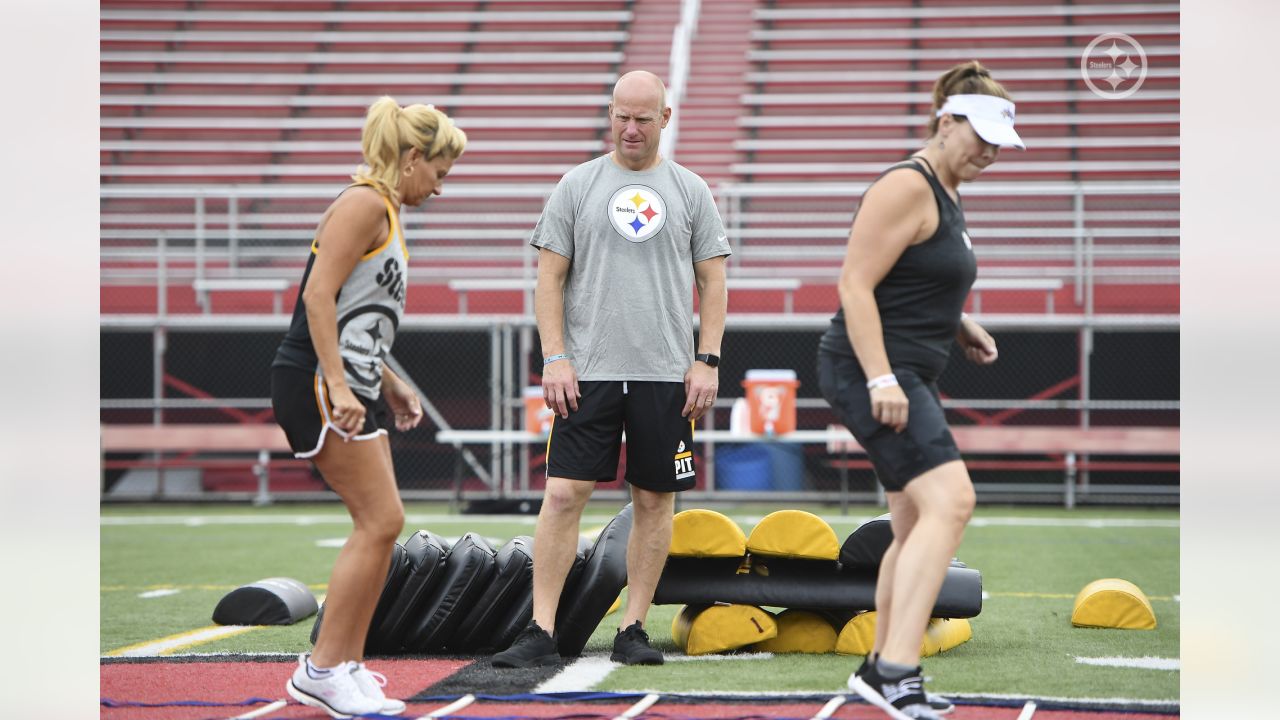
(390, 130)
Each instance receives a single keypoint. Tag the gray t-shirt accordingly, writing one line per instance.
(632, 239)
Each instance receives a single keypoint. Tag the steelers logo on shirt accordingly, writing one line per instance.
(637, 212)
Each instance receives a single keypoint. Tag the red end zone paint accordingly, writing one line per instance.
(230, 681)
(164, 682)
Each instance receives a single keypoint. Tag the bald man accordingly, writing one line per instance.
(621, 243)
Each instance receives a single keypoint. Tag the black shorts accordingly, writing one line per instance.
(898, 458)
(301, 404)
(586, 445)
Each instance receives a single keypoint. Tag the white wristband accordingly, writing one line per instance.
(882, 381)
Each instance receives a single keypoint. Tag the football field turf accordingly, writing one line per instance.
(164, 568)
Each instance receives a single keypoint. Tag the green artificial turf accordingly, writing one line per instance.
(1023, 642)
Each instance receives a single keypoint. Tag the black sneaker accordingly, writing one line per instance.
(902, 698)
(940, 705)
(532, 647)
(631, 647)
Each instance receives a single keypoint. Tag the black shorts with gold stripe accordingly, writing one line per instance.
(587, 444)
(301, 404)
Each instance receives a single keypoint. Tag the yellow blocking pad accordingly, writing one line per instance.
(794, 534)
(800, 631)
(704, 629)
(1113, 603)
(858, 636)
(706, 533)
(617, 603)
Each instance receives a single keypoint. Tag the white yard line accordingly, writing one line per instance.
(262, 710)
(1027, 711)
(1142, 663)
(165, 645)
(830, 708)
(449, 709)
(162, 592)
(645, 703)
(707, 658)
(581, 674)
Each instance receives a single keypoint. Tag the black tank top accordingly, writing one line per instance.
(921, 298)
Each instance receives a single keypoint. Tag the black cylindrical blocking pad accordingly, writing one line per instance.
(684, 581)
(866, 545)
(426, 553)
(516, 617)
(468, 569)
(273, 601)
(396, 573)
(603, 578)
(512, 581)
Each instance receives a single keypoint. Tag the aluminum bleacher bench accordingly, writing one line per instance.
(787, 286)
(539, 17)
(334, 146)
(980, 30)
(920, 54)
(962, 11)
(1025, 97)
(183, 441)
(319, 171)
(379, 59)
(333, 123)
(1008, 167)
(834, 144)
(1068, 444)
(850, 77)
(382, 78)
(340, 37)
(204, 287)
(848, 121)
(594, 101)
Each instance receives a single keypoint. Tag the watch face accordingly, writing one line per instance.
(709, 359)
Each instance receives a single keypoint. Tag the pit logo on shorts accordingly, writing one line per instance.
(638, 212)
(684, 462)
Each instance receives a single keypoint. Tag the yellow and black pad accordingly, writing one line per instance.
(858, 636)
(512, 580)
(867, 544)
(467, 572)
(603, 577)
(704, 629)
(1113, 603)
(800, 631)
(425, 554)
(794, 534)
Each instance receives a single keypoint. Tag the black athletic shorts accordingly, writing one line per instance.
(898, 458)
(301, 404)
(586, 445)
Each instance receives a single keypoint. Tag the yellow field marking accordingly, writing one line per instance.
(181, 641)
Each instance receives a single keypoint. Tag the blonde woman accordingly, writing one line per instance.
(906, 275)
(328, 374)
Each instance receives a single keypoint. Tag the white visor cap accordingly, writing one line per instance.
(991, 117)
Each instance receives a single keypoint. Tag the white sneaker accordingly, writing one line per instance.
(333, 690)
(371, 683)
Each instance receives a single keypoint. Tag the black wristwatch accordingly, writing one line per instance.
(708, 359)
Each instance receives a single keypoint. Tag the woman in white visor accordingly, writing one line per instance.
(906, 276)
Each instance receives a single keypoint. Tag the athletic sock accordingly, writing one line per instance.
(316, 672)
(892, 670)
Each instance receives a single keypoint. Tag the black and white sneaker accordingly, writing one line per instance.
(631, 647)
(903, 698)
(533, 647)
(940, 704)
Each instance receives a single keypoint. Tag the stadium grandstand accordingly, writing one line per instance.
(227, 126)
